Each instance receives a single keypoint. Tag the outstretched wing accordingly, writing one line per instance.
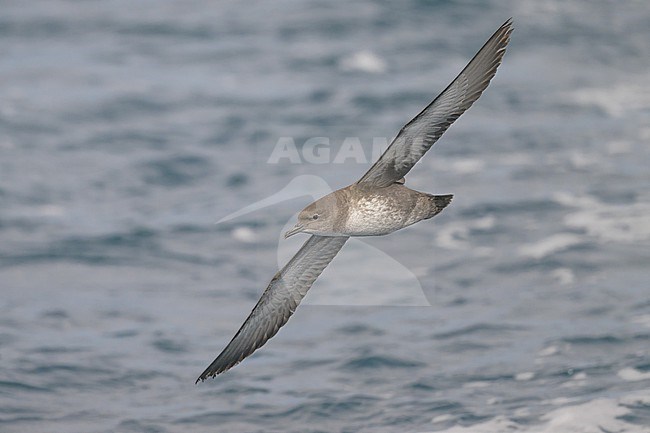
(417, 136)
(278, 302)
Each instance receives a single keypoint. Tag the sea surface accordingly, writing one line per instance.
(152, 153)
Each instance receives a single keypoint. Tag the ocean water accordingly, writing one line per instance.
(127, 129)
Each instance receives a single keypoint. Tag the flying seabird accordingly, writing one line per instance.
(377, 204)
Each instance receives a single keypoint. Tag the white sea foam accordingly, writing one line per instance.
(364, 61)
(607, 222)
(549, 351)
(643, 320)
(563, 275)
(619, 147)
(524, 376)
(476, 384)
(244, 234)
(616, 100)
(49, 210)
(633, 375)
(457, 165)
(467, 166)
(442, 418)
(577, 380)
(551, 245)
(454, 235)
(595, 416)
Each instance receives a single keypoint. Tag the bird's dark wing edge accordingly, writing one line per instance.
(418, 135)
(278, 302)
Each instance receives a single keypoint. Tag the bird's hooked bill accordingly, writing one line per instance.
(296, 229)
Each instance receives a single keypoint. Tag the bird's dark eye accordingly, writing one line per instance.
(315, 217)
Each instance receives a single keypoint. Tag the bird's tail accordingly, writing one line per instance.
(437, 203)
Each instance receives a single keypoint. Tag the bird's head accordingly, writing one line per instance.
(318, 218)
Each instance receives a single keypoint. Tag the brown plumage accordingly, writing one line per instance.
(378, 204)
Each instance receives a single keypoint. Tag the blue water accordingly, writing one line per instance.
(128, 128)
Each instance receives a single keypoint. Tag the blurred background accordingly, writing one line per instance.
(128, 128)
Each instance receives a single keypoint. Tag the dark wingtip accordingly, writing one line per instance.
(442, 201)
(503, 33)
(208, 373)
(220, 365)
(508, 23)
(438, 203)
(201, 378)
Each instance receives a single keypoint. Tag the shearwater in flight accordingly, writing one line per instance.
(377, 204)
